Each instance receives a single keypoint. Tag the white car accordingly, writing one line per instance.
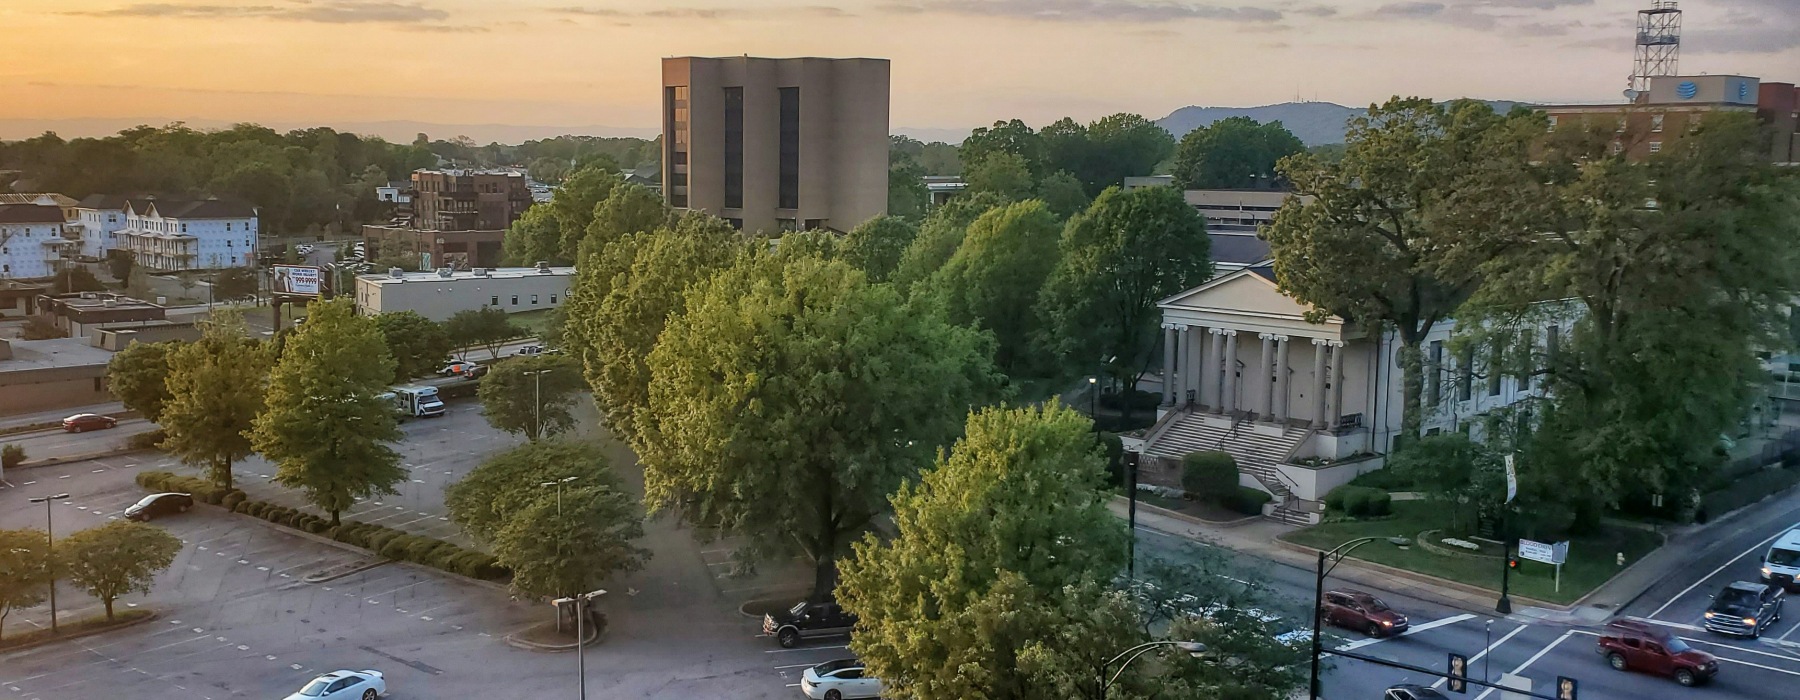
(836, 680)
(343, 685)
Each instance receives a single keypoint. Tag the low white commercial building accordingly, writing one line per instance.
(174, 235)
(439, 294)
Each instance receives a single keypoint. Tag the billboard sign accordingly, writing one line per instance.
(1547, 553)
(295, 281)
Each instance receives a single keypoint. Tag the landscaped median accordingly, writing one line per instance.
(1593, 559)
(378, 539)
(72, 629)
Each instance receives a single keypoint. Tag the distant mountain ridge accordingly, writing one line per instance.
(1315, 123)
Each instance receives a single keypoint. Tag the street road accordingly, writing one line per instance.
(55, 442)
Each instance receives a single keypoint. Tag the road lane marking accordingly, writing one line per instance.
(1732, 647)
(1484, 652)
(1715, 572)
(1530, 661)
(1358, 644)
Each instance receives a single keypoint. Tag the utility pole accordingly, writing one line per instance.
(537, 399)
(50, 549)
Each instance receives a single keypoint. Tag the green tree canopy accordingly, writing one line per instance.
(1062, 194)
(574, 204)
(1459, 473)
(75, 278)
(138, 376)
(998, 271)
(993, 540)
(485, 500)
(24, 570)
(1125, 253)
(1012, 137)
(907, 194)
(487, 327)
(532, 396)
(875, 246)
(561, 547)
(327, 428)
(417, 344)
(1002, 173)
(790, 396)
(117, 558)
(216, 390)
(940, 236)
(1122, 145)
(536, 235)
(1236, 152)
(629, 209)
(234, 283)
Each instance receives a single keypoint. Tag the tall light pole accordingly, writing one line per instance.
(50, 549)
(558, 484)
(537, 399)
(1336, 555)
(1194, 649)
(1094, 400)
(580, 601)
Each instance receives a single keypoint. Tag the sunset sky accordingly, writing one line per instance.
(957, 63)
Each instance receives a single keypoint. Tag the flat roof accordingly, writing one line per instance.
(80, 303)
(500, 273)
(56, 352)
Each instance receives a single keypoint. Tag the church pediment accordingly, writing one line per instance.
(1241, 292)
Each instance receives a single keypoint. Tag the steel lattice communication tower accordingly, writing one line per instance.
(1658, 45)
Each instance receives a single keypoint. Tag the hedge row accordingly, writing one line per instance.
(1359, 501)
(1248, 501)
(385, 541)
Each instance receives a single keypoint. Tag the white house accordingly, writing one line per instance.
(205, 234)
(1303, 407)
(97, 221)
(31, 240)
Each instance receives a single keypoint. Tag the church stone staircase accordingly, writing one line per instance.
(1256, 454)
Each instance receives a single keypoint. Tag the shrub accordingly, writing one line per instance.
(1209, 475)
(153, 480)
(232, 499)
(146, 441)
(1249, 501)
(1114, 448)
(1138, 399)
(11, 456)
(1359, 501)
(1745, 491)
(1384, 479)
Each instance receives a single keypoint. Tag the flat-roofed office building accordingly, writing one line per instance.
(774, 144)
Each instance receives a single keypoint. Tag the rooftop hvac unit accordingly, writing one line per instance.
(445, 272)
(481, 272)
(110, 302)
(543, 266)
(88, 295)
(396, 273)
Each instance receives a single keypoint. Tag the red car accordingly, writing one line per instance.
(1360, 611)
(1638, 646)
(88, 421)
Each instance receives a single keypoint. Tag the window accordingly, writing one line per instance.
(1434, 388)
(736, 223)
(1465, 378)
(553, 298)
(97, 385)
(184, 228)
(734, 147)
(1552, 122)
(788, 188)
(1655, 146)
(1528, 342)
(515, 300)
(1656, 122)
(1494, 365)
(534, 298)
(493, 301)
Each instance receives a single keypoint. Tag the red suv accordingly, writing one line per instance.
(1360, 611)
(1633, 645)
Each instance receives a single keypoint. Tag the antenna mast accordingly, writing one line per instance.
(1658, 46)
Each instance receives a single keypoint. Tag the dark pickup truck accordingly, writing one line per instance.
(806, 620)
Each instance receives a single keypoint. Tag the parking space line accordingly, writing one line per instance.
(1715, 572)
(1484, 652)
(1358, 644)
(784, 651)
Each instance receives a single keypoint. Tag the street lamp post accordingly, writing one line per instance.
(50, 549)
(537, 400)
(1131, 489)
(1094, 400)
(1335, 555)
(580, 601)
(558, 484)
(1194, 649)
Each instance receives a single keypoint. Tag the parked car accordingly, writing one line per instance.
(82, 422)
(343, 685)
(806, 620)
(530, 350)
(1363, 612)
(1745, 609)
(159, 504)
(836, 680)
(1408, 691)
(1629, 645)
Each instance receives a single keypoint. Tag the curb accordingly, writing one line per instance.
(513, 640)
(1634, 598)
(53, 461)
(1427, 579)
(328, 577)
(78, 635)
(1192, 520)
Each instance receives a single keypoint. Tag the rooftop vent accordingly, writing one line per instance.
(481, 272)
(396, 273)
(543, 267)
(445, 272)
(110, 302)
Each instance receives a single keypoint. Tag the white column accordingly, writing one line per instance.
(1209, 371)
(1280, 407)
(1168, 378)
(1336, 394)
(1229, 401)
(1265, 397)
(1191, 344)
(1318, 393)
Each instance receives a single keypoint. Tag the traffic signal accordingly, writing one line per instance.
(1458, 674)
(1565, 688)
(1512, 562)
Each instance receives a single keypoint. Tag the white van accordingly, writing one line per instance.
(1781, 564)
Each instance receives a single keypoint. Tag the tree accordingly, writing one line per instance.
(119, 264)
(1389, 236)
(998, 270)
(216, 390)
(1453, 470)
(907, 195)
(496, 490)
(487, 327)
(1062, 194)
(625, 294)
(1004, 530)
(234, 283)
(1123, 145)
(574, 204)
(1012, 137)
(875, 246)
(531, 396)
(535, 235)
(328, 428)
(790, 396)
(417, 344)
(1004, 174)
(629, 209)
(117, 558)
(138, 374)
(1125, 253)
(75, 278)
(940, 236)
(24, 570)
(1236, 152)
(561, 547)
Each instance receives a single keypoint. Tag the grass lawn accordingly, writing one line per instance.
(1592, 558)
(1203, 511)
